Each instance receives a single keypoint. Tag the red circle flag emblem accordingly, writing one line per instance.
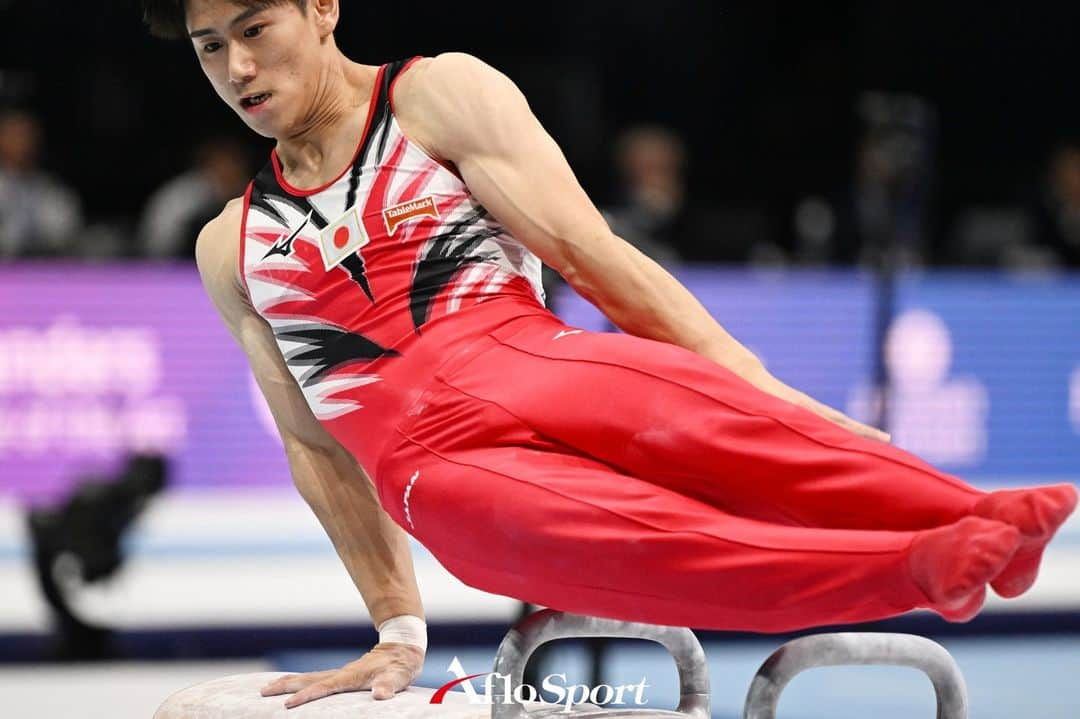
(341, 237)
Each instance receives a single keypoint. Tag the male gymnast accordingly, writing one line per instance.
(382, 274)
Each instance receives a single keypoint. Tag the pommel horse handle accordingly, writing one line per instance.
(547, 624)
(858, 648)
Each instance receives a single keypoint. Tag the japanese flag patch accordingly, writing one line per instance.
(342, 238)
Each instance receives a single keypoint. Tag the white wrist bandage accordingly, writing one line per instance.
(405, 629)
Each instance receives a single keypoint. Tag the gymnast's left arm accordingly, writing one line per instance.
(465, 112)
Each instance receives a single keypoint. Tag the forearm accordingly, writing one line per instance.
(642, 298)
(373, 548)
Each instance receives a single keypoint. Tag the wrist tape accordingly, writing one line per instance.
(405, 629)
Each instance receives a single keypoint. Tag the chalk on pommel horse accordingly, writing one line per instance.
(237, 696)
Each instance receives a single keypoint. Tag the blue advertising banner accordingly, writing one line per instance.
(986, 374)
(99, 363)
(985, 368)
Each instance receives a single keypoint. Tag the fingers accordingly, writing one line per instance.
(318, 690)
(768, 383)
(399, 675)
(863, 430)
(384, 686)
(867, 431)
(294, 682)
(871, 432)
(386, 670)
(856, 427)
(387, 685)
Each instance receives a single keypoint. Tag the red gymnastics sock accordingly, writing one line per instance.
(1038, 513)
(952, 564)
(964, 610)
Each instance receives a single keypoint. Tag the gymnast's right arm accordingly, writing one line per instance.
(374, 549)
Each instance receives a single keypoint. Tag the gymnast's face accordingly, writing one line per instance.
(264, 59)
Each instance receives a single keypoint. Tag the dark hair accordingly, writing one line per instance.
(168, 18)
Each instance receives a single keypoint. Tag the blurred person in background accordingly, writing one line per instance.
(843, 228)
(654, 209)
(382, 276)
(1057, 210)
(648, 209)
(879, 218)
(651, 197)
(176, 211)
(39, 215)
(863, 218)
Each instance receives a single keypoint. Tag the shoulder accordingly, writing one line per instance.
(223, 229)
(452, 100)
(431, 76)
(218, 245)
(448, 86)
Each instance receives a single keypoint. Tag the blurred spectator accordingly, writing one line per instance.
(1057, 211)
(840, 229)
(651, 196)
(654, 208)
(999, 236)
(39, 216)
(177, 210)
(880, 218)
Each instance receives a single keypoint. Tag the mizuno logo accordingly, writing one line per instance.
(284, 248)
(564, 333)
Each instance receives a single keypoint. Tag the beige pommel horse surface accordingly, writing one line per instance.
(237, 697)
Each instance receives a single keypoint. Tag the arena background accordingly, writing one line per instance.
(868, 194)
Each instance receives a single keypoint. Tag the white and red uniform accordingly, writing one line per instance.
(425, 250)
(597, 473)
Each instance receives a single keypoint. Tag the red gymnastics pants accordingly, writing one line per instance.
(609, 475)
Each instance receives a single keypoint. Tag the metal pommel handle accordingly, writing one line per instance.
(549, 624)
(857, 648)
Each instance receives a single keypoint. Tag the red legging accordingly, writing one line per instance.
(609, 475)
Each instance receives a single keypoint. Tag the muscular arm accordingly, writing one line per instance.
(374, 549)
(463, 111)
(475, 117)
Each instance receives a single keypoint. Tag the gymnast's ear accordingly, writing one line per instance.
(325, 15)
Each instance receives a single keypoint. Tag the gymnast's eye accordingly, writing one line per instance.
(254, 31)
(211, 47)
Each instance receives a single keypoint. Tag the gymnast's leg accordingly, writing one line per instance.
(662, 413)
(571, 533)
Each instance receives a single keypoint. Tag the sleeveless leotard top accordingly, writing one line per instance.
(371, 279)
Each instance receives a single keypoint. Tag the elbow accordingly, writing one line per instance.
(569, 271)
(304, 433)
(584, 264)
(295, 443)
(581, 282)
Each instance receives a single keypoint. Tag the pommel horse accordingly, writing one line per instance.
(237, 697)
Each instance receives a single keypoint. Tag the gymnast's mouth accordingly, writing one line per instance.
(250, 102)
